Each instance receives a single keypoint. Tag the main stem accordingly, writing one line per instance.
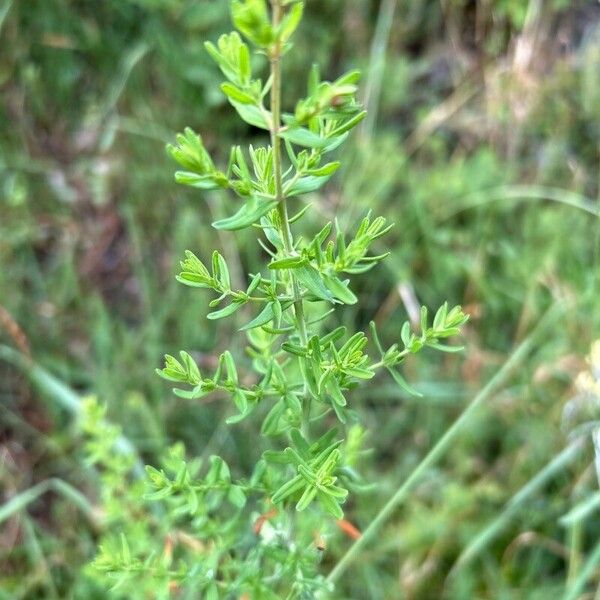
(286, 232)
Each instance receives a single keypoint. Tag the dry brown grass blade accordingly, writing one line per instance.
(14, 331)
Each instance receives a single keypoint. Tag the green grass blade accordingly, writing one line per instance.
(574, 591)
(22, 500)
(525, 193)
(43, 380)
(4, 12)
(554, 467)
(581, 511)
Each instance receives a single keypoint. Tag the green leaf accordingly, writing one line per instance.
(359, 373)
(237, 418)
(340, 290)
(304, 137)
(216, 268)
(249, 213)
(277, 457)
(375, 336)
(311, 279)
(403, 383)
(440, 316)
(306, 367)
(306, 472)
(299, 442)
(125, 552)
(333, 387)
(194, 273)
(224, 312)
(337, 492)
(193, 501)
(307, 497)
(221, 272)
(190, 366)
(193, 280)
(240, 401)
(202, 182)
(240, 161)
(290, 22)
(444, 348)
(349, 124)
(218, 472)
(236, 496)
(289, 262)
(340, 412)
(174, 375)
(264, 316)
(423, 318)
(299, 214)
(244, 63)
(289, 488)
(232, 57)
(328, 169)
(251, 18)
(351, 77)
(228, 69)
(235, 94)
(332, 336)
(293, 349)
(278, 310)
(211, 592)
(305, 185)
(194, 394)
(256, 279)
(330, 505)
(293, 403)
(270, 425)
(252, 114)
(190, 153)
(353, 344)
(232, 374)
(159, 495)
(405, 334)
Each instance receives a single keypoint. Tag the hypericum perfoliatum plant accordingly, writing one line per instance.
(254, 537)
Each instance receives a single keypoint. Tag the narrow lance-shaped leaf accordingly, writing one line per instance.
(340, 290)
(224, 312)
(247, 215)
(310, 278)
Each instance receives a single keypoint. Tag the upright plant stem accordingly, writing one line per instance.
(286, 232)
(438, 450)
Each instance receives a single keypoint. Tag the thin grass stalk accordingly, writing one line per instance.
(574, 591)
(441, 447)
(557, 465)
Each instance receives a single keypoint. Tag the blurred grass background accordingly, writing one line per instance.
(482, 145)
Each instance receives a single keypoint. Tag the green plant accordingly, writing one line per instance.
(244, 538)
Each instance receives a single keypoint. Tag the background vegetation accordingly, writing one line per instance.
(481, 144)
